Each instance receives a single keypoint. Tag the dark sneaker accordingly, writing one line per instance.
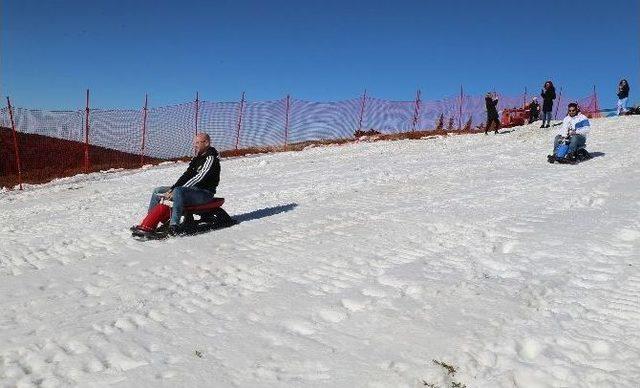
(570, 158)
(137, 228)
(542, 126)
(163, 228)
(175, 230)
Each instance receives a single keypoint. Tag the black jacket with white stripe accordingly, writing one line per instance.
(203, 172)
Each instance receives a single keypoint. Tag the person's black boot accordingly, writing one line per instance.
(175, 230)
(570, 158)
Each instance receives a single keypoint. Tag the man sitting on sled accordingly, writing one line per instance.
(569, 143)
(196, 186)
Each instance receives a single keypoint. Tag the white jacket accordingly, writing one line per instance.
(578, 123)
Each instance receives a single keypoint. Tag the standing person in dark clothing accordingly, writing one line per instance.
(491, 102)
(548, 95)
(534, 110)
(623, 96)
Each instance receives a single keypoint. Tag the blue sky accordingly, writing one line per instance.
(315, 50)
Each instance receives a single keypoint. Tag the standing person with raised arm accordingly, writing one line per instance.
(491, 103)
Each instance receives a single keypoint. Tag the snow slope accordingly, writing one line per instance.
(466, 260)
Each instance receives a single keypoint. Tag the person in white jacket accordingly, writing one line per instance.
(575, 127)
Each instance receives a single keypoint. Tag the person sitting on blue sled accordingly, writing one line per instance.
(574, 130)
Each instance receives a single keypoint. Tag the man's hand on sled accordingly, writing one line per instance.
(167, 196)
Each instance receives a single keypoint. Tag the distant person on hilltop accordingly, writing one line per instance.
(623, 96)
(534, 110)
(573, 132)
(491, 103)
(548, 94)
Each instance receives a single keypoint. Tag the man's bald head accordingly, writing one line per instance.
(202, 142)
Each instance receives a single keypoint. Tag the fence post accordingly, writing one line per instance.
(15, 143)
(555, 116)
(364, 99)
(460, 110)
(239, 120)
(197, 109)
(416, 112)
(86, 136)
(596, 108)
(524, 99)
(286, 121)
(144, 130)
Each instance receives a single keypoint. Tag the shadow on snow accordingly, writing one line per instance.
(266, 212)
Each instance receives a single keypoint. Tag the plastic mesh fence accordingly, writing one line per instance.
(170, 131)
(52, 143)
(220, 120)
(310, 121)
(388, 116)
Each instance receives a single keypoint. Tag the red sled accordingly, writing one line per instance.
(211, 216)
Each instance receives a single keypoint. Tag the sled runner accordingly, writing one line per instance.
(210, 216)
(563, 158)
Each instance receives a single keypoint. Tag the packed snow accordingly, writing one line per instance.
(460, 261)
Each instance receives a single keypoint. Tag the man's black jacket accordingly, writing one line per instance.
(203, 172)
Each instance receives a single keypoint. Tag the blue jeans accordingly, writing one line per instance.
(546, 116)
(622, 106)
(155, 199)
(575, 142)
(182, 196)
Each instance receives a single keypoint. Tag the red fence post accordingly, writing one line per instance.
(416, 112)
(460, 111)
(364, 99)
(239, 120)
(286, 121)
(555, 117)
(144, 130)
(15, 143)
(86, 136)
(197, 109)
(596, 108)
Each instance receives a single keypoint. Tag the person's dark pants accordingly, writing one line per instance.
(490, 122)
(546, 117)
(534, 117)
